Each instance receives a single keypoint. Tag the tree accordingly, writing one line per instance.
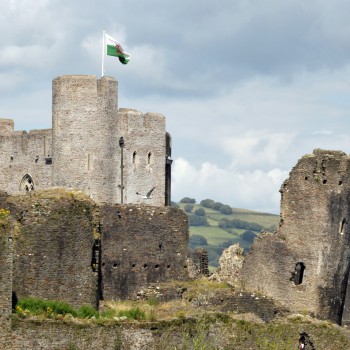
(196, 240)
(224, 224)
(188, 208)
(207, 203)
(200, 212)
(194, 220)
(213, 258)
(226, 209)
(217, 206)
(228, 243)
(188, 200)
(248, 236)
(174, 204)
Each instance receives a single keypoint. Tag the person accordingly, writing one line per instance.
(302, 343)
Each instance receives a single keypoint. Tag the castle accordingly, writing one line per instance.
(98, 225)
(118, 234)
(114, 155)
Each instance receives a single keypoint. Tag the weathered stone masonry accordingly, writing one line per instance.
(6, 263)
(141, 245)
(305, 265)
(66, 247)
(82, 149)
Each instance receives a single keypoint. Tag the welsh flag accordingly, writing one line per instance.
(115, 49)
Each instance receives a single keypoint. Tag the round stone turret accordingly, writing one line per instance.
(84, 113)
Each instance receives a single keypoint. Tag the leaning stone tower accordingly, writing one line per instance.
(85, 137)
(305, 265)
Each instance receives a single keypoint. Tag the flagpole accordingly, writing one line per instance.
(103, 52)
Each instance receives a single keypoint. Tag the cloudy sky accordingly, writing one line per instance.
(247, 86)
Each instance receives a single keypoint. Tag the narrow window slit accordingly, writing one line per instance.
(342, 226)
(299, 273)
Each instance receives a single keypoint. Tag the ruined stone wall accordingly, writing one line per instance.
(6, 263)
(65, 336)
(141, 245)
(68, 248)
(53, 243)
(24, 153)
(111, 335)
(313, 233)
(144, 156)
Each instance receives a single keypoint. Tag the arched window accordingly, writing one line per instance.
(299, 273)
(149, 158)
(27, 183)
(134, 158)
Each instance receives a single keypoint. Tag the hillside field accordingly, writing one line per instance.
(215, 238)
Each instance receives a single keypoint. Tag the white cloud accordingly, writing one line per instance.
(247, 87)
(250, 189)
(257, 148)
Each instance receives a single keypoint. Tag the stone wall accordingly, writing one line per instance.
(305, 265)
(144, 156)
(68, 248)
(200, 262)
(24, 153)
(6, 263)
(112, 335)
(53, 243)
(141, 245)
(230, 266)
(67, 336)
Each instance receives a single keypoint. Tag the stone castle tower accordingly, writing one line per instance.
(83, 150)
(305, 265)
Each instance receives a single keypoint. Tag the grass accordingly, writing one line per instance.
(29, 307)
(190, 323)
(217, 332)
(264, 219)
(216, 236)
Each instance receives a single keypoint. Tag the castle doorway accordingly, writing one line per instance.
(27, 183)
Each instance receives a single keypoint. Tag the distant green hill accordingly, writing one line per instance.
(215, 231)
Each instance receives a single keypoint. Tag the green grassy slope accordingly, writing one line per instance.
(218, 239)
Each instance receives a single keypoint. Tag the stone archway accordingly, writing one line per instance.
(27, 183)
